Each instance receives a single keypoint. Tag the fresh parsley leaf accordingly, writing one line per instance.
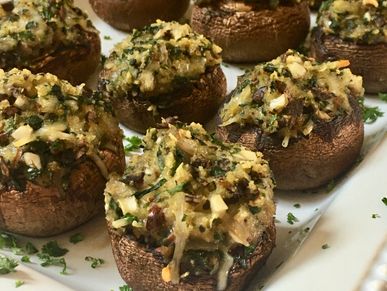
(30, 248)
(125, 288)
(325, 246)
(291, 218)
(18, 283)
(375, 215)
(76, 238)
(134, 143)
(371, 114)
(383, 96)
(25, 259)
(297, 205)
(95, 262)
(53, 249)
(8, 241)
(7, 265)
(384, 200)
(47, 260)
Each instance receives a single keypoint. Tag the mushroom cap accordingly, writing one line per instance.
(196, 101)
(130, 14)
(253, 36)
(367, 60)
(308, 162)
(133, 258)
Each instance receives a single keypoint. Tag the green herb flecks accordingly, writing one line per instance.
(107, 37)
(371, 114)
(18, 283)
(30, 248)
(134, 143)
(254, 209)
(125, 288)
(156, 186)
(25, 259)
(383, 96)
(291, 218)
(53, 249)
(375, 215)
(297, 205)
(384, 200)
(47, 260)
(95, 262)
(76, 238)
(7, 265)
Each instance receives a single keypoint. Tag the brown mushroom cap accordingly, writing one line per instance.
(197, 101)
(369, 61)
(130, 14)
(308, 162)
(254, 36)
(44, 211)
(74, 64)
(141, 268)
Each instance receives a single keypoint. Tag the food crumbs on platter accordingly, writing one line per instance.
(297, 205)
(375, 215)
(384, 200)
(76, 238)
(325, 246)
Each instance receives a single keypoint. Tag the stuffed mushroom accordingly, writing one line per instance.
(163, 70)
(48, 36)
(195, 213)
(58, 145)
(304, 116)
(355, 30)
(252, 30)
(130, 14)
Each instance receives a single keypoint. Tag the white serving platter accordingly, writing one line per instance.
(340, 219)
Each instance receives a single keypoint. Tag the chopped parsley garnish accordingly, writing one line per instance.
(297, 205)
(375, 215)
(53, 249)
(291, 218)
(7, 265)
(384, 200)
(325, 246)
(371, 114)
(125, 288)
(47, 260)
(76, 238)
(30, 248)
(383, 96)
(134, 143)
(107, 37)
(156, 186)
(25, 259)
(18, 283)
(95, 262)
(35, 122)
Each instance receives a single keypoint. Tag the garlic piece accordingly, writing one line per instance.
(32, 160)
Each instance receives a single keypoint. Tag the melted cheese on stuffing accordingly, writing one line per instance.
(156, 59)
(362, 21)
(288, 94)
(35, 27)
(190, 194)
(45, 123)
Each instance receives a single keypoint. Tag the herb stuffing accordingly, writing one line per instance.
(30, 29)
(290, 94)
(182, 55)
(360, 21)
(193, 198)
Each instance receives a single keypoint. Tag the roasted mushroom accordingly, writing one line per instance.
(355, 30)
(252, 31)
(57, 147)
(304, 116)
(48, 36)
(195, 213)
(163, 70)
(130, 14)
